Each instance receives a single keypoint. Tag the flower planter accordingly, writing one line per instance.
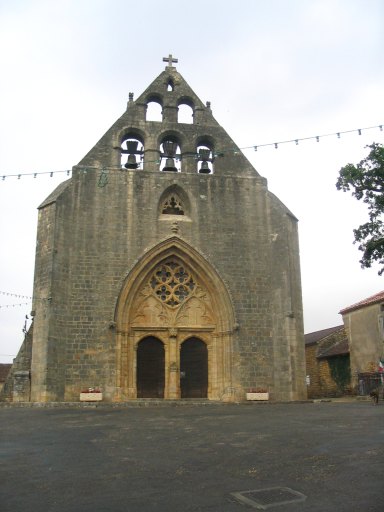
(258, 396)
(91, 397)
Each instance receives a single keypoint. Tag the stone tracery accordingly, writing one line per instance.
(172, 206)
(172, 283)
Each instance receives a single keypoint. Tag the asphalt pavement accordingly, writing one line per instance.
(316, 457)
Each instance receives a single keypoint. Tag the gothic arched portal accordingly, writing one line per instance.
(174, 296)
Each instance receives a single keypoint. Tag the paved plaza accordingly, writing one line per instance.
(316, 457)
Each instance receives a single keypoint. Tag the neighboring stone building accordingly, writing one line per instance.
(364, 324)
(355, 348)
(17, 385)
(165, 268)
(327, 362)
(4, 371)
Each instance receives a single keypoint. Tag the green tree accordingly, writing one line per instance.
(366, 180)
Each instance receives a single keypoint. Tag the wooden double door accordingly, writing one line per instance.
(151, 368)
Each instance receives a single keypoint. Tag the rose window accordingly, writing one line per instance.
(172, 283)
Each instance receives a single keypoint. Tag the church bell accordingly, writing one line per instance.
(204, 158)
(170, 149)
(131, 150)
(204, 169)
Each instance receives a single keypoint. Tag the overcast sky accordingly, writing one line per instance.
(273, 70)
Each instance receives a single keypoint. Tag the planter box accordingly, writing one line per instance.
(91, 397)
(257, 396)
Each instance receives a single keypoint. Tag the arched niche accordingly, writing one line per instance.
(174, 201)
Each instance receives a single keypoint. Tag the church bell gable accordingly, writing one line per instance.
(171, 143)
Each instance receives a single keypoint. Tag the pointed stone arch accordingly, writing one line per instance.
(173, 293)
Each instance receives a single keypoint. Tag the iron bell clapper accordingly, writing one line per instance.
(170, 149)
(131, 149)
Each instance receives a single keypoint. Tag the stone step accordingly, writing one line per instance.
(143, 402)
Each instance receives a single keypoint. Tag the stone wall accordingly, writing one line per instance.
(313, 372)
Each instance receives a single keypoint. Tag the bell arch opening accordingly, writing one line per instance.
(154, 109)
(174, 295)
(132, 151)
(170, 85)
(170, 154)
(186, 109)
(185, 114)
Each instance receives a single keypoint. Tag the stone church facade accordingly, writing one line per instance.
(165, 268)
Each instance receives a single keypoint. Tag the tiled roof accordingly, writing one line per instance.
(338, 349)
(378, 297)
(4, 370)
(314, 337)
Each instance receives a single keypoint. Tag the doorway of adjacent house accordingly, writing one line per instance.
(193, 369)
(150, 368)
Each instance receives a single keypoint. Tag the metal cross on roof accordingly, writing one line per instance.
(170, 60)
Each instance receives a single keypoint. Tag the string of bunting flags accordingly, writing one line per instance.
(18, 296)
(14, 305)
(218, 153)
(9, 294)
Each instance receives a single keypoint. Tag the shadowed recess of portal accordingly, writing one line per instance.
(150, 368)
(194, 369)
